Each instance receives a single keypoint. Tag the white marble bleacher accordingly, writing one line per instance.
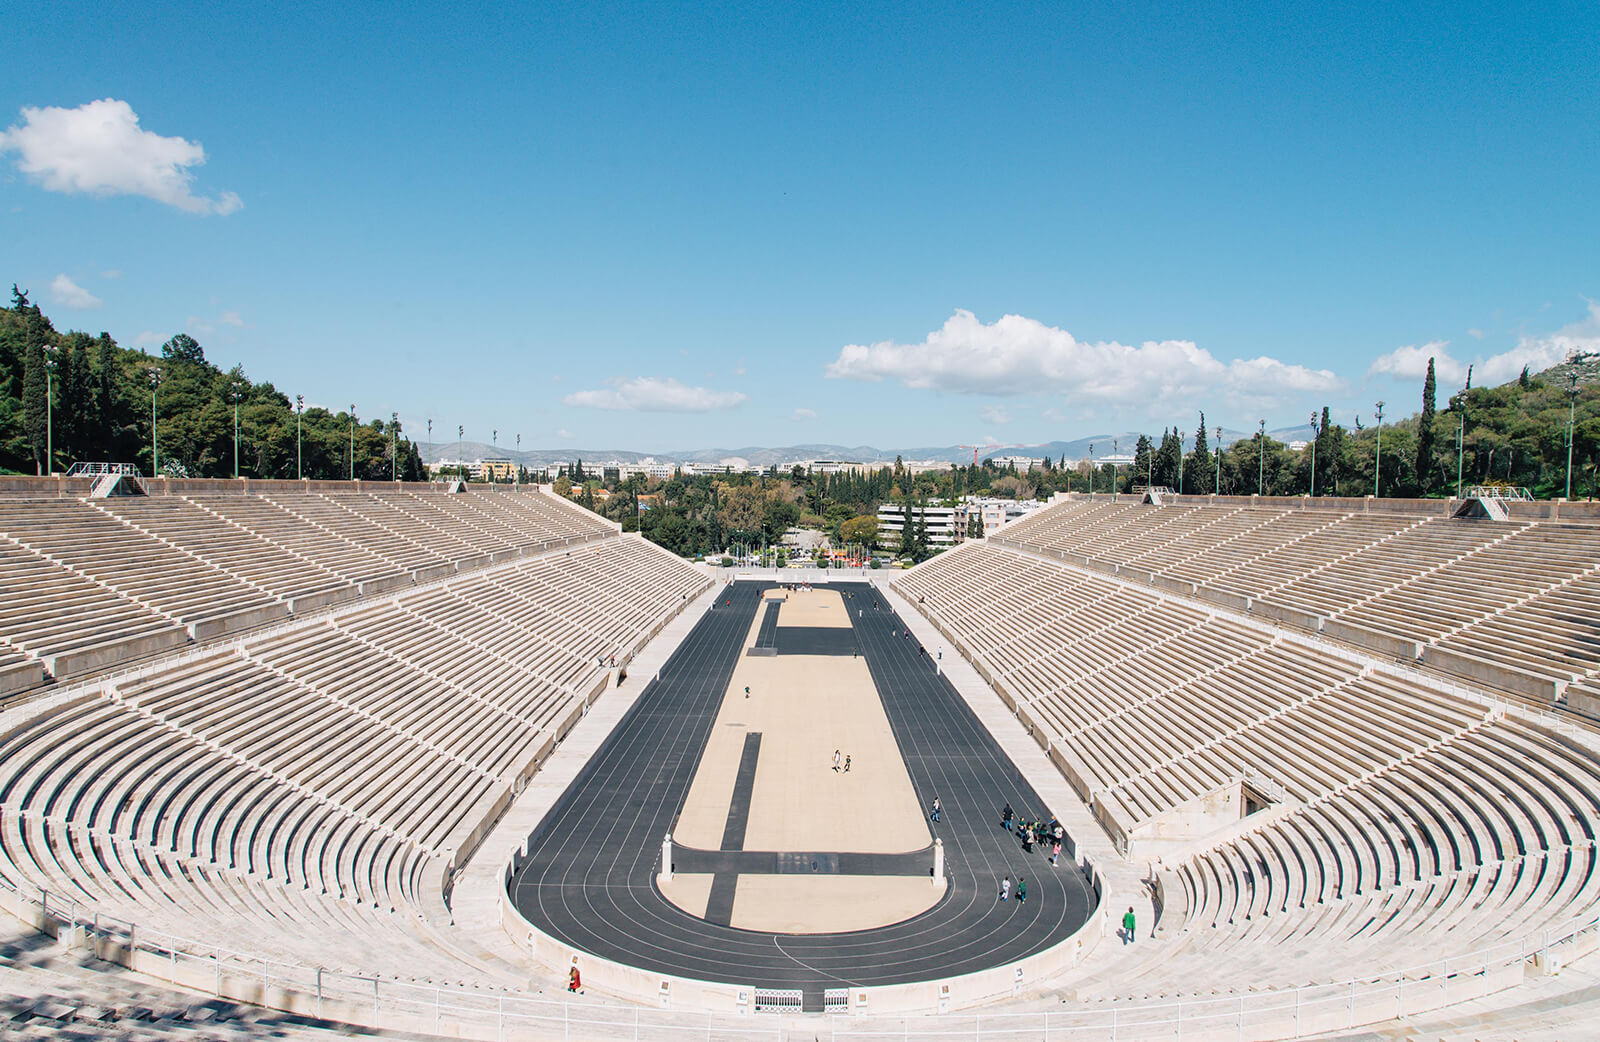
(342, 556)
(326, 512)
(295, 796)
(1414, 821)
(1504, 603)
(141, 568)
(71, 624)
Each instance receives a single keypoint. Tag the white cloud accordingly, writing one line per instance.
(1017, 355)
(149, 338)
(71, 295)
(652, 394)
(564, 433)
(994, 414)
(803, 414)
(207, 326)
(1475, 333)
(1411, 363)
(111, 273)
(99, 149)
(1542, 352)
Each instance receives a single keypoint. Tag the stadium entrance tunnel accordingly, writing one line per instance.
(1244, 802)
(795, 791)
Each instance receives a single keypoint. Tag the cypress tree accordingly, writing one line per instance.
(34, 404)
(1425, 431)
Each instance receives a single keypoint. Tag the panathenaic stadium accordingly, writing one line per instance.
(311, 759)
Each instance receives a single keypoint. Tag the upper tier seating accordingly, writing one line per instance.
(301, 795)
(1503, 604)
(1401, 817)
(96, 583)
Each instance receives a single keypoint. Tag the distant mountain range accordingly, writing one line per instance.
(763, 456)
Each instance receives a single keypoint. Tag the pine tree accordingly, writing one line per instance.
(1425, 432)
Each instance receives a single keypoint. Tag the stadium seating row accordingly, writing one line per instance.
(1454, 594)
(100, 582)
(326, 773)
(1391, 809)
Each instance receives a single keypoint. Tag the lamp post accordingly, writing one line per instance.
(461, 452)
(516, 473)
(1219, 459)
(428, 464)
(1180, 459)
(299, 409)
(1116, 447)
(394, 446)
(494, 440)
(234, 389)
(1091, 469)
(1314, 432)
(155, 451)
(1377, 458)
(49, 407)
(1572, 407)
(1261, 465)
(352, 441)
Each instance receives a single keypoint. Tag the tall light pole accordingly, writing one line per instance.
(299, 409)
(461, 452)
(1314, 433)
(394, 446)
(516, 473)
(1091, 469)
(1377, 458)
(1116, 448)
(352, 441)
(1219, 459)
(1572, 407)
(155, 451)
(1461, 435)
(1261, 466)
(494, 440)
(235, 393)
(1180, 459)
(49, 406)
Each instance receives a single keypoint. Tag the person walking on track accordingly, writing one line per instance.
(937, 808)
(1022, 890)
(1005, 889)
(836, 761)
(1128, 926)
(1006, 816)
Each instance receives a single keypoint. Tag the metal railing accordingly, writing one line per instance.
(487, 1014)
(95, 470)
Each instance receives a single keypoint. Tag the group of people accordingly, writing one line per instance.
(1037, 832)
(837, 767)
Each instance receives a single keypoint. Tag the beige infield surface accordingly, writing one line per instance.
(805, 707)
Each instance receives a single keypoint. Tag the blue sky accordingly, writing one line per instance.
(667, 227)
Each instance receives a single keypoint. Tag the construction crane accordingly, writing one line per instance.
(986, 448)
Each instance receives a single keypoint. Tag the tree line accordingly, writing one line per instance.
(77, 397)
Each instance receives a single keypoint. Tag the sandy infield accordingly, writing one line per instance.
(828, 904)
(805, 707)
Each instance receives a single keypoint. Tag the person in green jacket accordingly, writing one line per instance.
(1128, 926)
(1022, 890)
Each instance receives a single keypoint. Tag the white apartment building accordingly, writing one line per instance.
(943, 529)
(995, 512)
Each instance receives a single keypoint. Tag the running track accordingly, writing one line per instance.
(590, 876)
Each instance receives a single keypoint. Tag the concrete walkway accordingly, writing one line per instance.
(1125, 880)
(480, 886)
